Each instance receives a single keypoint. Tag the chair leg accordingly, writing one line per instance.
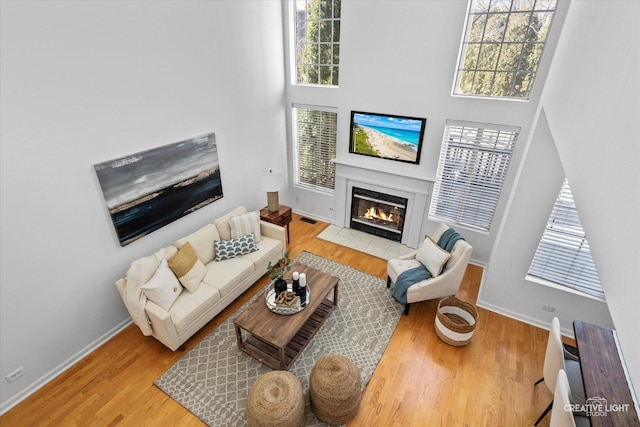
(388, 281)
(406, 309)
(546, 411)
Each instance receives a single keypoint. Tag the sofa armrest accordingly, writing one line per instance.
(120, 285)
(162, 325)
(274, 231)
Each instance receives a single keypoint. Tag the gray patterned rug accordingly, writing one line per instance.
(212, 380)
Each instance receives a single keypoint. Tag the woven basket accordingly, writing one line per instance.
(455, 321)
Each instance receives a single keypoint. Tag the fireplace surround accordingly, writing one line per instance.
(415, 189)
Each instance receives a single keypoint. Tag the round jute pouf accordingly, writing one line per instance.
(275, 399)
(456, 321)
(335, 389)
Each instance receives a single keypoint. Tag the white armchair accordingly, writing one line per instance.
(445, 284)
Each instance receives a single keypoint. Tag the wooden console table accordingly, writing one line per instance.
(604, 376)
(281, 217)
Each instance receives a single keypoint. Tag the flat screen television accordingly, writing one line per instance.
(387, 136)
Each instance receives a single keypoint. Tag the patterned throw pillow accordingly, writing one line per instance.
(245, 224)
(226, 249)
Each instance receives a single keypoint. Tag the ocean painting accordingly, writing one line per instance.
(150, 189)
(387, 136)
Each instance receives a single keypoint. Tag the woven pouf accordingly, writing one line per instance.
(335, 389)
(275, 399)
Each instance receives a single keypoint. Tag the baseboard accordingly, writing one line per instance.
(521, 318)
(49, 376)
(314, 216)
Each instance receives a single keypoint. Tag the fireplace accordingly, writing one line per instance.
(378, 213)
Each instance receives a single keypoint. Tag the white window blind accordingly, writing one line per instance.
(473, 164)
(563, 256)
(315, 146)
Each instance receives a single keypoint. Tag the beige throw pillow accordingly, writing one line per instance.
(188, 268)
(245, 224)
(164, 287)
(432, 256)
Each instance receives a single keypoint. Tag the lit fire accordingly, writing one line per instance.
(373, 213)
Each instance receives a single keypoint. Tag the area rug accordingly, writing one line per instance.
(212, 380)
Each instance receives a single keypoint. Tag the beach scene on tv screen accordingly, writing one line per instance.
(388, 137)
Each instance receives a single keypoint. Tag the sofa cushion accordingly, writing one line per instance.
(164, 287)
(432, 256)
(245, 224)
(222, 223)
(268, 250)
(227, 249)
(202, 242)
(190, 307)
(226, 275)
(187, 267)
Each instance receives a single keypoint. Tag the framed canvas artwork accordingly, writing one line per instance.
(150, 189)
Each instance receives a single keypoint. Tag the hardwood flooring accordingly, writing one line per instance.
(420, 380)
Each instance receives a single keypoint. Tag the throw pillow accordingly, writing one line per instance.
(202, 242)
(226, 249)
(222, 223)
(188, 268)
(432, 256)
(245, 224)
(164, 287)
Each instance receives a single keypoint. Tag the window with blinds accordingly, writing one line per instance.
(315, 146)
(473, 164)
(563, 256)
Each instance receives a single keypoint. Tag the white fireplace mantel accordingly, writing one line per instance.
(415, 189)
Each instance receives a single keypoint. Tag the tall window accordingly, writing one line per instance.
(473, 164)
(315, 146)
(502, 47)
(317, 39)
(563, 256)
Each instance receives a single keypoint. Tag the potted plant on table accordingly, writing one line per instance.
(277, 270)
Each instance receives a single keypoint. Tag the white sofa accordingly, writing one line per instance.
(208, 287)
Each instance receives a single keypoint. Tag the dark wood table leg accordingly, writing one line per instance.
(239, 337)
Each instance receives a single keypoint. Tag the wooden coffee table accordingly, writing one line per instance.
(277, 340)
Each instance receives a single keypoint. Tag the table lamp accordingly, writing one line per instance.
(271, 181)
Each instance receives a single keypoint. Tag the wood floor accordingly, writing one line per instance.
(420, 380)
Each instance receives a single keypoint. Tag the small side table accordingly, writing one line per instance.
(281, 217)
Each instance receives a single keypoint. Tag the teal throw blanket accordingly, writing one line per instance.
(414, 275)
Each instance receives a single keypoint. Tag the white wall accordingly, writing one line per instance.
(399, 57)
(504, 288)
(588, 129)
(85, 82)
(593, 104)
